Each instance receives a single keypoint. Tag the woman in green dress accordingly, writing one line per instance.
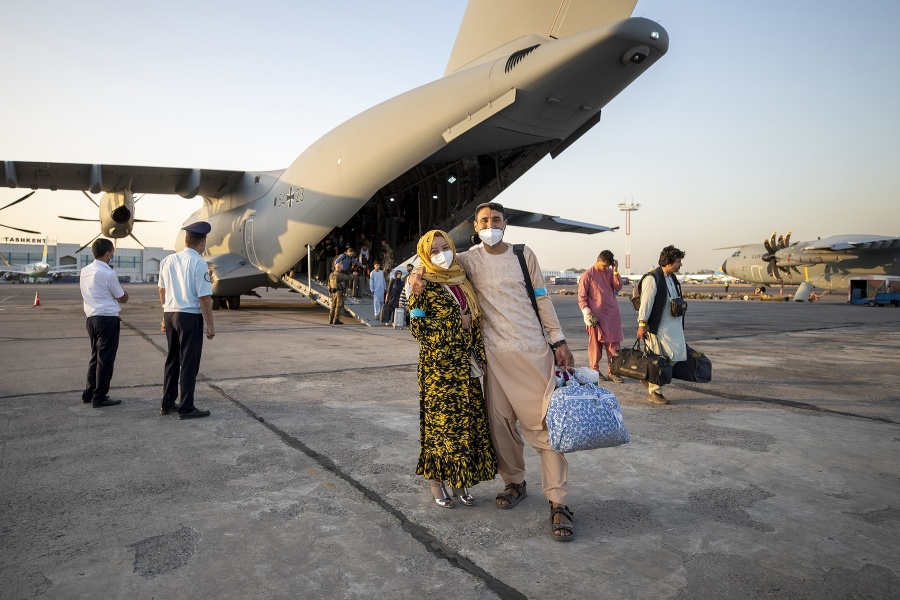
(455, 440)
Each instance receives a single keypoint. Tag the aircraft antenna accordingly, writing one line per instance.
(628, 209)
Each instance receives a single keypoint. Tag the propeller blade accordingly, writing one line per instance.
(797, 271)
(132, 236)
(89, 243)
(769, 247)
(86, 195)
(146, 221)
(25, 197)
(787, 239)
(138, 198)
(20, 229)
(780, 242)
(77, 219)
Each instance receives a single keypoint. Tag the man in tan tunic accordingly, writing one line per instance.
(519, 377)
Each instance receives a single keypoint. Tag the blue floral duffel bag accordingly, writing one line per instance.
(583, 417)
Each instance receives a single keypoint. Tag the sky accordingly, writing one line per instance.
(763, 116)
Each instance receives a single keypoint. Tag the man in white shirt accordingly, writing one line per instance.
(102, 296)
(185, 293)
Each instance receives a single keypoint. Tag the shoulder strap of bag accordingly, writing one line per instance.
(519, 251)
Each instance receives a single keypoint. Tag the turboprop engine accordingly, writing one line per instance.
(117, 214)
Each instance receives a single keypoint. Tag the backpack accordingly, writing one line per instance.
(636, 292)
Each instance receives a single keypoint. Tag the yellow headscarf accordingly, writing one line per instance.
(452, 276)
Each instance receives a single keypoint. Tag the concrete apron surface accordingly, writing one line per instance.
(780, 479)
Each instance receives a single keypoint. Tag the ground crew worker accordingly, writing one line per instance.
(102, 295)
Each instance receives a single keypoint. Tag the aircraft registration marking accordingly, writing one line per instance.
(292, 195)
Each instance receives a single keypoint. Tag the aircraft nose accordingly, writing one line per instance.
(725, 267)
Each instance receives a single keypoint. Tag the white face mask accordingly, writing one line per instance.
(442, 259)
(491, 237)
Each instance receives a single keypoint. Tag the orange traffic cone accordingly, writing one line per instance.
(37, 299)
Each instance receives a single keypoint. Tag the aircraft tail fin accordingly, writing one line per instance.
(488, 26)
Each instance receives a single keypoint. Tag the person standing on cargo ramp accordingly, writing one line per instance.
(519, 378)
(185, 293)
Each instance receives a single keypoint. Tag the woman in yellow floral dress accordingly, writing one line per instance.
(455, 440)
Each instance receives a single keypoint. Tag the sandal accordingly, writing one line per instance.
(554, 527)
(439, 493)
(465, 497)
(511, 500)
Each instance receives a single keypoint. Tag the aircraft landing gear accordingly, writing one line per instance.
(232, 302)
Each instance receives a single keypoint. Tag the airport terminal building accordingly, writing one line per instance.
(139, 265)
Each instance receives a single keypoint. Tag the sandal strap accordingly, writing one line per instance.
(564, 511)
(519, 488)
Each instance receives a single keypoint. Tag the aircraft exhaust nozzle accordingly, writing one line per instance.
(121, 215)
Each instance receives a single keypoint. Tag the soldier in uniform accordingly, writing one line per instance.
(337, 286)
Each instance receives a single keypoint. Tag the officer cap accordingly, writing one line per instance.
(200, 228)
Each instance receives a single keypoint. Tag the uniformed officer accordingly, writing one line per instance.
(185, 293)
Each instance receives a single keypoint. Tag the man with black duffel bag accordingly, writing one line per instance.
(661, 314)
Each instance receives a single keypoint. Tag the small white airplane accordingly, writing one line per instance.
(718, 277)
(525, 78)
(826, 262)
(34, 270)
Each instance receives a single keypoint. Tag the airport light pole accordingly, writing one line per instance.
(628, 209)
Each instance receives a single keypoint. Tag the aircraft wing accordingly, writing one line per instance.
(856, 243)
(522, 218)
(463, 238)
(187, 183)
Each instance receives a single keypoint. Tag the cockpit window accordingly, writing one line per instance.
(738, 253)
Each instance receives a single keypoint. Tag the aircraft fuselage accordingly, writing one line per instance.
(262, 228)
(821, 269)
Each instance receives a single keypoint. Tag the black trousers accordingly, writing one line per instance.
(184, 333)
(104, 335)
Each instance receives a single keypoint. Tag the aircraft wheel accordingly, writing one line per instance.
(216, 302)
(234, 302)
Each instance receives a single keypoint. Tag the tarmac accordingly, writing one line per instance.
(779, 479)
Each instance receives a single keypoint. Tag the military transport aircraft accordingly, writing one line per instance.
(825, 262)
(525, 78)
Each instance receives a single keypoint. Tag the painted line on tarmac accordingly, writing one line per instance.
(785, 403)
(418, 533)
